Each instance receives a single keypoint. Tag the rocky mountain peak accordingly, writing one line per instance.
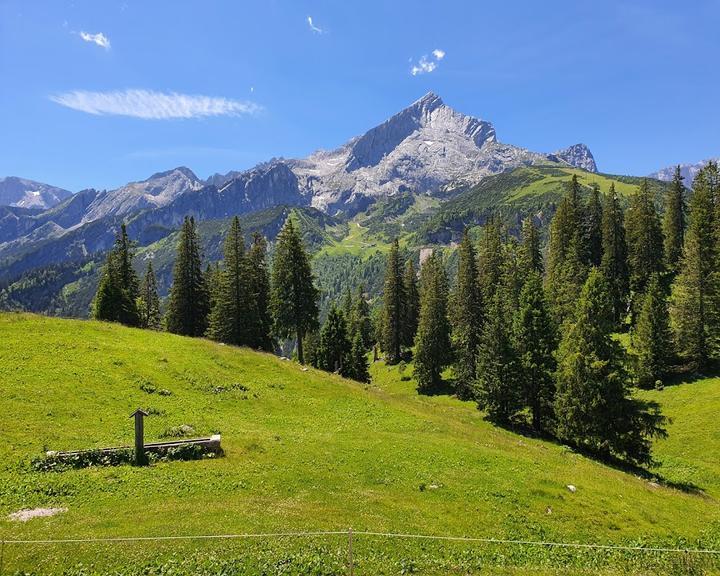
(577, 155)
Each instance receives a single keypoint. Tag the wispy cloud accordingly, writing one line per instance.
(152, 105)
(427, 64)
(315, 29)
(100, 39)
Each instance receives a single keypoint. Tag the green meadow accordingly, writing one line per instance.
(309, 451)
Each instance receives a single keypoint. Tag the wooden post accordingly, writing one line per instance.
(140, 459)
(350, 553)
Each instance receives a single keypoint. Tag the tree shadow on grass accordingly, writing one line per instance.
(522, 428)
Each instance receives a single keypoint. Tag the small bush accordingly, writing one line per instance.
(85, 459)
(181, 431)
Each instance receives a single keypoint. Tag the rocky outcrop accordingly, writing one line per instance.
(29, 194)
(687, 171)
(578, 156)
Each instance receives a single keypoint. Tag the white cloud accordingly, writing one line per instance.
(153, 105)
(100, 39)
(315, 29)
(427, 64)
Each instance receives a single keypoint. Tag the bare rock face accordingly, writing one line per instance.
(419, 150)
(687, 171)
(157, 191)
(577, 155)
(29, 194)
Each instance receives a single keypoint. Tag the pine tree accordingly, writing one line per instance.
(535, 341)
(347, 304)
(360, 319)
(466, 318)
(594, 408)
(119, 287)
(651, 337)
(614, 258)
(694, 298)
(189, 300)
(593, 228)
(490, 258)
(499, 386)
(261, 329)
(674, 223)
(410, 304)
(566, 262)
(432, 343)
(333, 352)
(293, 296)
(358, 362)
(231, 318)
(644, 239)
(529, 252)
(393, 306)
(213, 281)
(149, 301)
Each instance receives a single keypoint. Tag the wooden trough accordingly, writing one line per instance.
(209, 445)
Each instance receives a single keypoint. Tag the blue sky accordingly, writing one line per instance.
(637, 81)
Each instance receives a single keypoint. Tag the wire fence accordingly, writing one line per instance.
(351, 536)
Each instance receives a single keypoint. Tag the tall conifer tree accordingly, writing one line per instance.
(432, 343)
(644, 239)
(333, 353)
(410, 305)
(119, 288)
(231, 319)
(490, 258)
(293, 296)
(393, 306)
(535, 340)
(499, 386)
(466, 318)
(529, 251)
(261, 330)
(614, 258)
(593, 228)
(652, 339)
(694, 299)
(189, 300)
(674, 223)
(594, 407)
(149, 301)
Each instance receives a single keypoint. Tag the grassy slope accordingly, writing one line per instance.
(307, 450)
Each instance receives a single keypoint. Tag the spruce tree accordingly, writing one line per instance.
(410, 304)
(499, 386)
(651, 338)
(644, 239)
(360, 322)
(119, 287)
(393, 306)
(614, 258)
(261, 329)
(432, 343)
(694, 299)
(593, 228)
(231, 318)
(567, 250)
(535, 341)
(333, 352)
(358, 362)
(347, 304)
(490, 258)
(293, 296)
(529, 252)
(189, 300)
(149, 301)
(594, 407)
(674, 223)
(466, 319)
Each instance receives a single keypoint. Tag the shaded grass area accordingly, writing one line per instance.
(310, 451)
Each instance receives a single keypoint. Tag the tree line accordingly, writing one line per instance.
(535, 338)
(237, 301)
